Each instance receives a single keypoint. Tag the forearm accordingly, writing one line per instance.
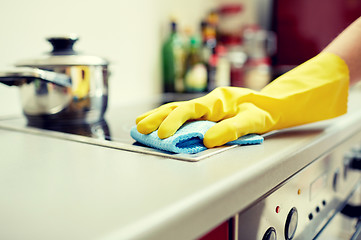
(348, 46)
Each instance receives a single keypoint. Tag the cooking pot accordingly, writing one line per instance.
(63, 86)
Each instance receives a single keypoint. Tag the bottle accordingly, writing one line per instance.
(209, 43)
(231, 21)
(237, 59)
(211, 72)
(173, 57)
(213, 21)
(209, 38)
(259, 45)
(195, 78)
(223, 68)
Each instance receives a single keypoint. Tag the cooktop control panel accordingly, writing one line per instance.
(302, 206)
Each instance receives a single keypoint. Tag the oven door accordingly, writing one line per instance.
(346, 224)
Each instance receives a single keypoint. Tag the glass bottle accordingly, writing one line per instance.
(195, 77)
(173, 57)
(223, 68)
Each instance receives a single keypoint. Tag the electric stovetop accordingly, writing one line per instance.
(113, 131)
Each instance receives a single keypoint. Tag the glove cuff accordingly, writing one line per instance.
(315, 90)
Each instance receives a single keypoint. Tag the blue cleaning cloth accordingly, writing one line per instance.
(188, 138)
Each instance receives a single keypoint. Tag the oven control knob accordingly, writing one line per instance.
(270, 234)
(291, 224)
(346, 166)
(336, 180)
(355, 160)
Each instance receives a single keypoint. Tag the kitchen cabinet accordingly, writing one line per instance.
(221, 232)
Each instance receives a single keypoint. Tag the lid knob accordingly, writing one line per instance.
(63, 45)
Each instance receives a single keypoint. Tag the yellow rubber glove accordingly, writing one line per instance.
(316, 90)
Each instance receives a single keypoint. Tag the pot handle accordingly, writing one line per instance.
(19, 76)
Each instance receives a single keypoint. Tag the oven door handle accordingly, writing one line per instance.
(354, 212)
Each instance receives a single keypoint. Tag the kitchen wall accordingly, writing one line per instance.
(128, 33)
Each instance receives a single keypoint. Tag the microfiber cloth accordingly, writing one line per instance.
(188, 138)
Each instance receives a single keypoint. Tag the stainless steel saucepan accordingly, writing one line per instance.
(63, 86)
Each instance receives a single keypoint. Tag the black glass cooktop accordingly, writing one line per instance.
(113, 131)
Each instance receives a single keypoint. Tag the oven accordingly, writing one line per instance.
(321, 201)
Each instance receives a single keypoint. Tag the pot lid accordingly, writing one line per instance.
(63, 54)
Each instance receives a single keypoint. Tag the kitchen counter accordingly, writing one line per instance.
(58, 189)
